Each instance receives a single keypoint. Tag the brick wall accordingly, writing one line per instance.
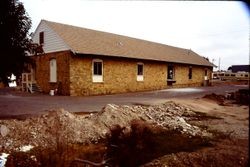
(42, 72)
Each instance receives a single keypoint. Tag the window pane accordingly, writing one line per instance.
(170, 72)
(97, 68)
(190, 73)
(139, 69)
(205, 72)
(41, 38)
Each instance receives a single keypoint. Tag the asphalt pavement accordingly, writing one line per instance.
(13, 103)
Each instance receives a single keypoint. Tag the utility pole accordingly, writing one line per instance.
(219, 69)
(219, 64)
(213, 62)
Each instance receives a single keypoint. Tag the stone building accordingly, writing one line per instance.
(79, 61)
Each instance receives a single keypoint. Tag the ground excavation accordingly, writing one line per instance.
(206, 131)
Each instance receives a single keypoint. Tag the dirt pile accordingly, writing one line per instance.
(227, 154)
(160, 135)
(61, 126)
(170, 115)
(242, 97)
(218, 98)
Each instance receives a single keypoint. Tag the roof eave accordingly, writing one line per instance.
(151, 59)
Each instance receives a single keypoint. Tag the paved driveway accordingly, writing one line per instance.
(18, 103)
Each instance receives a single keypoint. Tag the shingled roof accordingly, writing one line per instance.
(87, 41)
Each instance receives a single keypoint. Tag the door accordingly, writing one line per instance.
(53, 70)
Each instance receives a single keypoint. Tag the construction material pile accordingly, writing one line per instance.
(61, 126)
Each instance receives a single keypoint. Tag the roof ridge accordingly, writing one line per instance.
(88, 41)
(99, 31)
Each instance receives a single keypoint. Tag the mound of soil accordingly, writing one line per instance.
(169, 133)
(227, 153)
(242, 96)
(217, 98)
(65, 127)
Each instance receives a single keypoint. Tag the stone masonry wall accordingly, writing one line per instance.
(198, 74)
(42, 72)
(119, 76)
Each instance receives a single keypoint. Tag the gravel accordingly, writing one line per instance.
(61, 126)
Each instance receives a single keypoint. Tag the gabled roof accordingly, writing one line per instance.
(86, 41)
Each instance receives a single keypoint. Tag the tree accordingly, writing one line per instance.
(14, 41)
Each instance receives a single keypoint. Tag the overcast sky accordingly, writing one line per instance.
(211, 29)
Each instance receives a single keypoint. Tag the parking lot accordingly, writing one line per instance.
(13, 103)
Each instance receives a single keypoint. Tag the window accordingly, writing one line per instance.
(205, 77)
(190, 73)
(170, 75)
(97, 68)
(97, 65)
(140, 69)
(205, 72)
(53, 70)
(41, 38)
(140, 72)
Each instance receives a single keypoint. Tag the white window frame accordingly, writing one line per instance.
(140, 78)
(97, 78)
(53, 70)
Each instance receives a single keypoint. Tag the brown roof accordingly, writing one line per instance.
(86, 41)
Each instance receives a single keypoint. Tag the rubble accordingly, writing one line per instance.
(60, 126)
(26, 148)
(4, 130)
(3, 159)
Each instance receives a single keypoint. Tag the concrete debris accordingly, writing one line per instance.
(26, 148)
(3, 159)
(4, 130)
(61, 126)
